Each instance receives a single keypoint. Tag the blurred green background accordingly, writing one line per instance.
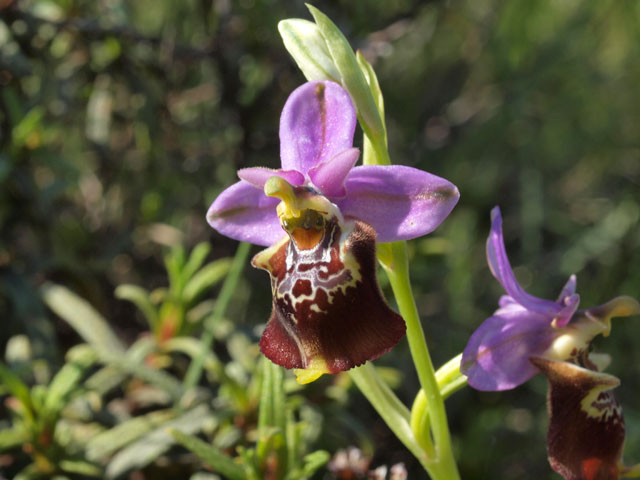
(120, 122)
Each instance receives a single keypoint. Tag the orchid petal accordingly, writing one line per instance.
(501, 269)
(497, 355)
(570, 305)
(329, 176)
(258, 176)
(568, 290)
(399, 202)
(244, 213)
(318, 122)
(569, 301)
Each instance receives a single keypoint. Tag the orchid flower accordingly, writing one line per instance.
(316, 149)
(321, 217)
(528, 335)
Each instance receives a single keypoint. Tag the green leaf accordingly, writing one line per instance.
(14, 384)
(314, 461)
(80, 467)
(140, 297)
(30, 472)
(65, 383)
(211, 274)
(18, 389)
(192, 347)
(152, 445)
(372, 80)
(306, 45)
(158, 378)
(108, 442)
(350, 73)
(369, 155)
(228, 288)
(196, 259)
(212, 456)
(110, 377)
(28, 125)
(12, 437)
(80, 315)
(174, 263)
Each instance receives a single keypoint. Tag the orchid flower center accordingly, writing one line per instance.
(576, 336)
(303, 212)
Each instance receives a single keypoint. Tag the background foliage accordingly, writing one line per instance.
(121, 121)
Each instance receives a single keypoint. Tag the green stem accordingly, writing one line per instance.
(194, 372)
(388, 406)
(450, 380)
(265, 412)
(398, 272)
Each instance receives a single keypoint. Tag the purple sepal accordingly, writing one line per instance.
(399, 202)
(501, 269)
(317, 123)
(245, 213)
(497, 355)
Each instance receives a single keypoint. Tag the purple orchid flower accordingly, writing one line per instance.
(528, 335)
(497, 355)
(321, 217)
(316, 149)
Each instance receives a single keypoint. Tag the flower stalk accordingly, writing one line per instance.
(398, 274)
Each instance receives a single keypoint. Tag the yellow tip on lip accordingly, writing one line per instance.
(278, 187)
(316, 368)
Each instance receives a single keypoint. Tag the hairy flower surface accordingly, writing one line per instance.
(528, 335)
(328, 313)
(322, 217)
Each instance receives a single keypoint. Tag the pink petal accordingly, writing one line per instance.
(329, 176)
(258, 176)
(501, 269)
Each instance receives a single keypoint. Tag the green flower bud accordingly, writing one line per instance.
(306, 45)
(351, 75)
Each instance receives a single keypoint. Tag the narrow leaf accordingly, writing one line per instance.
(211, 274)
(314, 461)
(15, 386)
(212, 456)
(12, 437)
(196, 259)
(64, 384)
(140, 297)
(109, 377)
(149, 447)
(369, 155)
(158, 378)
(108, 442)
(82, 317)
(228, 288)
(80, 467)
(174, 262)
